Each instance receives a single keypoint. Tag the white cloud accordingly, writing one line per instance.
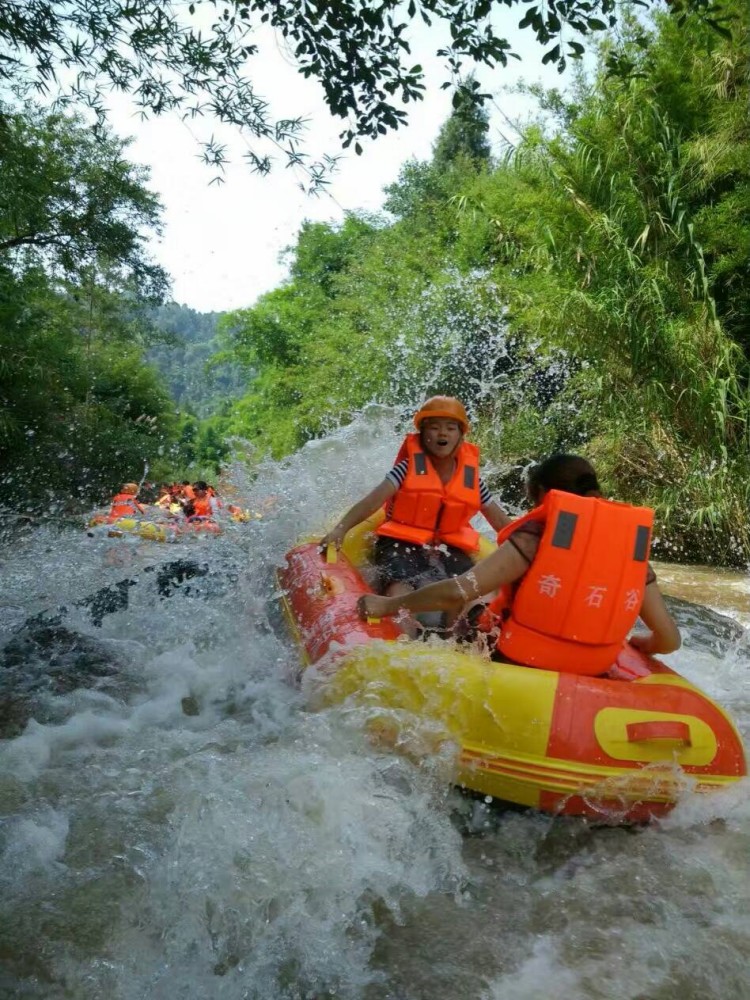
(222, 241)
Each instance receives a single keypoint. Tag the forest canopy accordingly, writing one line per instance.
(586, 291)
(197, 58)
(80, 409)
(586, 288)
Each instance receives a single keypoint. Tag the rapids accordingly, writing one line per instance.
(176, 823)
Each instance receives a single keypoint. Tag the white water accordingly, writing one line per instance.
(185, 828)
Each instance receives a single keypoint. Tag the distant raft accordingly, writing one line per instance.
(159, 527)
(152, 531)
(618, 748)
(163, 530)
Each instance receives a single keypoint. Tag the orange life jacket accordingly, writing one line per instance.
(201, 507)
(426, 511)
(579, 599)
(124, 505)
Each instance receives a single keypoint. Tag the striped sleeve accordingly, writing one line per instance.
(397, 475)
(485, 496)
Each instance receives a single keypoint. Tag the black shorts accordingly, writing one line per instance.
(418, 565)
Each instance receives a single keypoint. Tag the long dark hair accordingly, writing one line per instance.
(569, 473)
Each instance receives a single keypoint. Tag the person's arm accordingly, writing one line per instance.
(503, 566)
(495, 515)
(366, 506)
(664, 636)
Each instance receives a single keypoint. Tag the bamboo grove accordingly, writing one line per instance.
(587, 289)
(583, 283)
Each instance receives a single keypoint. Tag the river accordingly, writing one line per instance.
(177, 824)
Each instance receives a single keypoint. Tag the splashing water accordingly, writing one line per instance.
(177, 823)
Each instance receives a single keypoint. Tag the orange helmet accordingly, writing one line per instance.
(443, 406)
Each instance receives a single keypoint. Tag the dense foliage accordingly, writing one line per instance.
(197, 57)
(79, 409)
(588, 290)
(185, 354)
(203, 386)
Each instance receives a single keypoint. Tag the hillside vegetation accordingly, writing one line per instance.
(585, 290)
(81, 409)
(585, 287)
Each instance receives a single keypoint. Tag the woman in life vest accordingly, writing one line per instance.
(165, 497)
(573, 577)
(125, 503)
(200, 504)
(430, 495)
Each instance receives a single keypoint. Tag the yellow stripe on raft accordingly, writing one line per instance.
(499, 704)
(509, 707)
(144, 529)
(520, 779)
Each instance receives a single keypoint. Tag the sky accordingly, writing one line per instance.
(222, 243)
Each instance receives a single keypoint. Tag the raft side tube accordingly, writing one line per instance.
(627, 745)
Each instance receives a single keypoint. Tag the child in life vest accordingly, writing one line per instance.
(125, 503)
(573, 578)
(200, 503)
(431, 494)
(214, 499)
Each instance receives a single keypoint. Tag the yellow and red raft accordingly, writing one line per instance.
(160, 530)
(620, 748)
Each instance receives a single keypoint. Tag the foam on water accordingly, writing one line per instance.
(183, 826)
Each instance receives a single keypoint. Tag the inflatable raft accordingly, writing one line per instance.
(152, 531)
(619, 748)
(163, 530)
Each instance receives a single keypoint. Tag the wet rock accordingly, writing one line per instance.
(45, 660)
(190, 705)
(171, 577)
(704, 629)
(107, 601)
